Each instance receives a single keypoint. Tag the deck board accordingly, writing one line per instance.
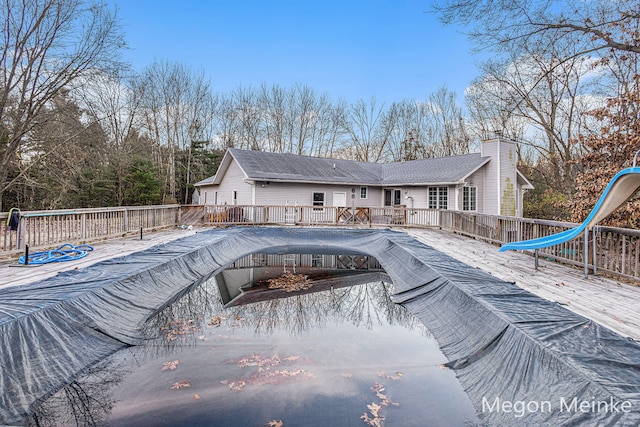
(608, 302)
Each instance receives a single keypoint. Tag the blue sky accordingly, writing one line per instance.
(352, 49)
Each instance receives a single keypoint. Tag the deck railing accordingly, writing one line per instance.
(610, 249)
(325, 215)
(614, 250)
(40, 229)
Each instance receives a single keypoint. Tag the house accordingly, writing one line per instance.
(486, 182)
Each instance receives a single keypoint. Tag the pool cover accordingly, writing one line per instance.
(522, 360)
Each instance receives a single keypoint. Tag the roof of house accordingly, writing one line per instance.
(285, 167)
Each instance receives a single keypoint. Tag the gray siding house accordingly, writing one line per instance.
(486, 182)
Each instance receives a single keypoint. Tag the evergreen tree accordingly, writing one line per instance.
(143, 184)
(203, 164)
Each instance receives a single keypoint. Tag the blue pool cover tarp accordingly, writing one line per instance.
(510, 349)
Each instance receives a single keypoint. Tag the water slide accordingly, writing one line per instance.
(619, 190)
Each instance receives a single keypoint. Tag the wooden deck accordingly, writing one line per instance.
(14, 274)
(611, 303)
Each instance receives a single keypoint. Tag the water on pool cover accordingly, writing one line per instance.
(340, 357)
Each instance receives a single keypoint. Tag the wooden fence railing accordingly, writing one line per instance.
(609, 249)
(40, 229)
(326, 215)
(614, 250)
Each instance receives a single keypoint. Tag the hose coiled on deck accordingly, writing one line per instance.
(66, 252)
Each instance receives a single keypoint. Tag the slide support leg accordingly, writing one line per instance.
(586, 252)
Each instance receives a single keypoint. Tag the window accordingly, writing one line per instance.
(318, 200)
(438, 197)
(469, 198)
(317, 260)
(392, 197)
(363, 192)
(397, 197)
(234, 198)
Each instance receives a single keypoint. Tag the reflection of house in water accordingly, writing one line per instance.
(245, 281)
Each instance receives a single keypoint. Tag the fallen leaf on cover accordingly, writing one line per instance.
(181, 384)
(382, 374)
(265, 371)
(237, 385)
(216, 320)
(377, 387)
(374, 409)
(170, 365)
(275, 423)
(196, 397)
(385, 401)
(175, 328)
(376, 420)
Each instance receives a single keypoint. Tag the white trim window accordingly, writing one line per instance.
(392, 197)
(438, 197)
(363, 192)
(234, 197)
(469, 198)
(318, 199)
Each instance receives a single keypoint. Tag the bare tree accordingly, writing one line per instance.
(313, 121)
(447, 134)
(249, 119)
(435, 127)
(327, 132)
(501, 24)
(368, 139)
(275, 102)
(540, 95)
(109, 100)
(285, 120)
(407, 121)
(225, 123)
(177, 105)
(490, 113)
(46, 44)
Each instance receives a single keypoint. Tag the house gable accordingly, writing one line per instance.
(228, 186)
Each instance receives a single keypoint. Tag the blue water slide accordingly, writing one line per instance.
(619, 190)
